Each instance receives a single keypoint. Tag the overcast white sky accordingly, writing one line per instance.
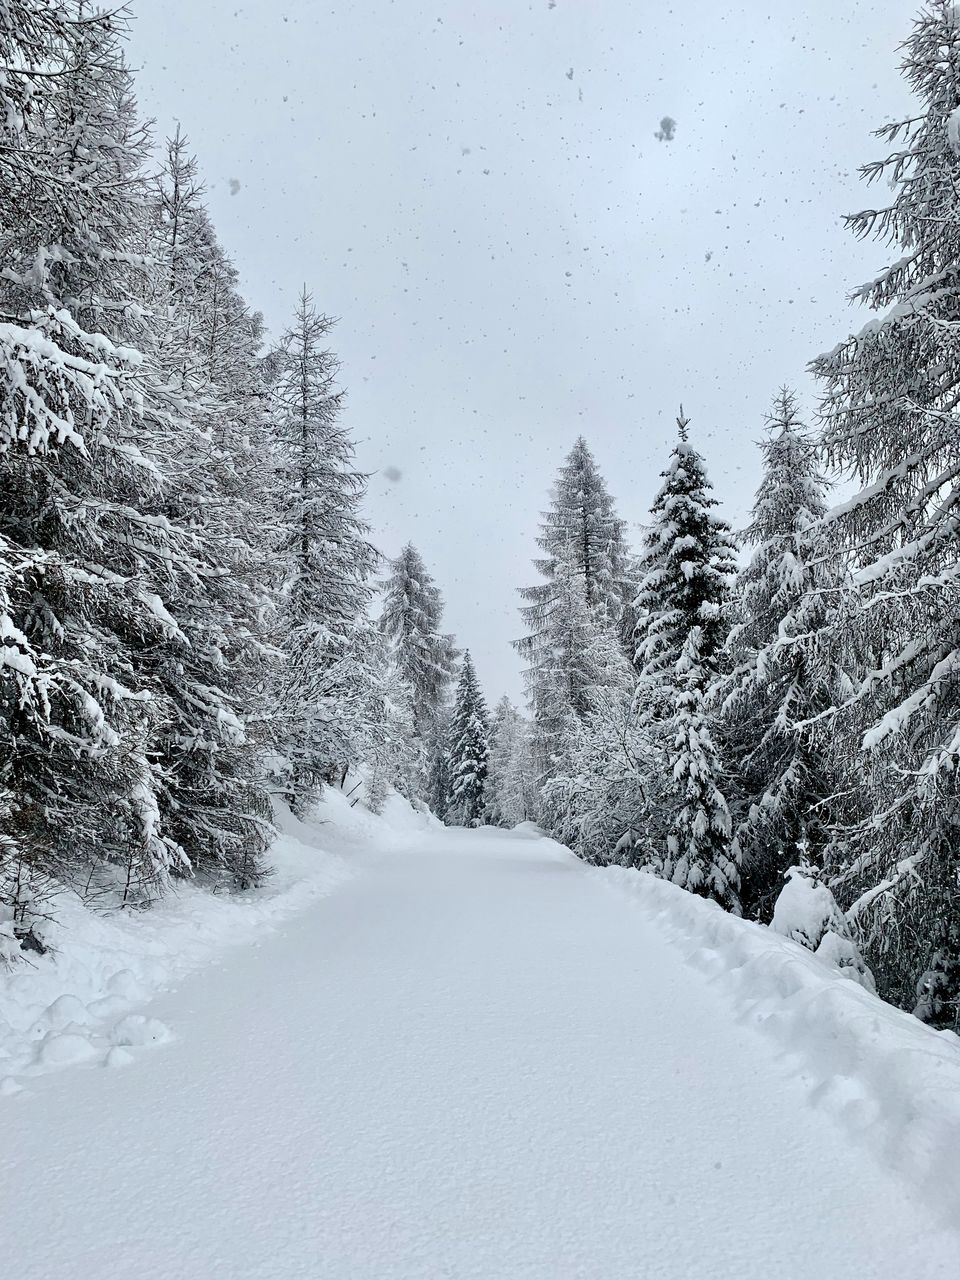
(476, 192)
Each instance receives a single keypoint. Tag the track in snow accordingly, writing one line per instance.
(472, 1061)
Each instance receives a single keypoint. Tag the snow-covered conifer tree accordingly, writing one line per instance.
(425, 658)
(81, 488)
(411, 618)
(890, 419)
(328, 562)
(207, 348)
(574, 657)
(687, 567)
(584, 555)
(687, 564)
(510, 777)
(700, 855)
(783, 773)
(581, 521)
(468, 751)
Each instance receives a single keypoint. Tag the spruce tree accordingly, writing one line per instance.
(687, 566)
(771, 689)
(468, 751)
(700, 855)
(687, 563)
(889, 415)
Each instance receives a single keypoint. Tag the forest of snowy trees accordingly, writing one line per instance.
(187, 584)
(196, 623)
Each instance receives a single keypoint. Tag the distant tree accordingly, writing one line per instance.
(468, 751)
(510, 789)
(584, 556)
(424, 657)
(410, 619)
(581, 522)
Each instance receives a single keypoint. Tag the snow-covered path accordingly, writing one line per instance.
(473, 1060)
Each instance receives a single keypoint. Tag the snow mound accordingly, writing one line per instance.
(137, 1029)
(118, 1057)
(807, 912)
(893, 1082)
(63, 1049)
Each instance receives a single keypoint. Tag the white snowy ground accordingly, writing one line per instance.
(478, 1058)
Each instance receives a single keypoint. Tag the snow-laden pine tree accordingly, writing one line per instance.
(468, 751)
(425, 657)
(687, 565)
(890, 420)
(783, 773)
(81, 483)
(322, 625)
(511, 796)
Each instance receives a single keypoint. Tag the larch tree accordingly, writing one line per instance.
(889, 411)
(586, 585)
(322, 625)
(468, 751)
(424, 656)
(81, 483)
(207, 350)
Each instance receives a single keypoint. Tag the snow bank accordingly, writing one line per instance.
(893, 1082)
(75, 1004)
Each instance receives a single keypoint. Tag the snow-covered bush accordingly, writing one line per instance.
(807, 912)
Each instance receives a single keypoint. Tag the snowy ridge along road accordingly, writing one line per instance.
(472, 1060)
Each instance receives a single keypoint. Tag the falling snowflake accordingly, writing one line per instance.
(668, 127)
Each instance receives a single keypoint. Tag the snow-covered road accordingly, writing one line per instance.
(473, 1060)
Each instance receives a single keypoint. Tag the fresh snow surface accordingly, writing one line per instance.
(103, 964)
(478, 1058)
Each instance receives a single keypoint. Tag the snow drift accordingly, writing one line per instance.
(893, 1082)
(75, 1003)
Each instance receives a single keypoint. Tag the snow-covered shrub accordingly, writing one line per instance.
(807, 912)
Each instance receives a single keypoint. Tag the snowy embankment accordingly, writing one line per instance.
(77, 1003)
(893, 1082)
